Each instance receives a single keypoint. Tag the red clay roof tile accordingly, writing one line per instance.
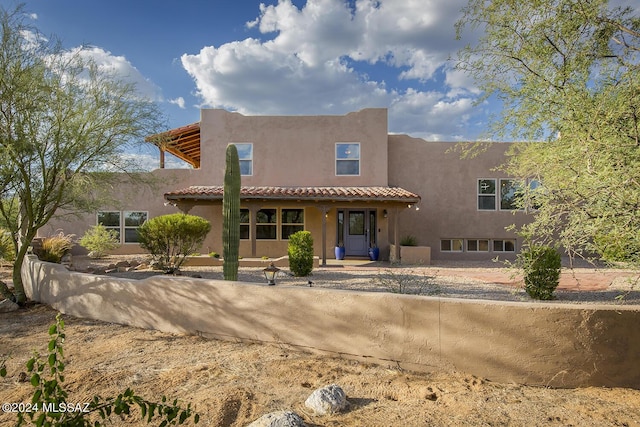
(387, 194)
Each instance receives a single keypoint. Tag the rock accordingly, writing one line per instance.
(123, 264)
(279, 419)
(327, 400)
(7, 305)
(66, 260)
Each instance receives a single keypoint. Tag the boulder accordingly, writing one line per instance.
(279, 419)
(327, 400)
(7, 305)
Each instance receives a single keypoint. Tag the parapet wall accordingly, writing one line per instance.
(529, 343)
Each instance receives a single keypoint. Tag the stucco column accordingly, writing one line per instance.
(396, 233)
(324, 210)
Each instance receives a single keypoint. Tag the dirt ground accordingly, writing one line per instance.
(233, 384)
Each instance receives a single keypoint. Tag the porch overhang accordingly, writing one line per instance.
(323, 198)
(205, 194)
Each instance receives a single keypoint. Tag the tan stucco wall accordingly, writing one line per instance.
(447, 185)
(545, 344)
(296, 150)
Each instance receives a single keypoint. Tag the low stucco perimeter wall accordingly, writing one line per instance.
(545, 344)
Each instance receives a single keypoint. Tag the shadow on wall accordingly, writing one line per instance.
(528, 343)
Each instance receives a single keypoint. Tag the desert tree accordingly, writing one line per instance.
(567, 73)
(64, 123)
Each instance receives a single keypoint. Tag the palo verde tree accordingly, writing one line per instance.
(231, 214)
(63, 124)
(568, 75)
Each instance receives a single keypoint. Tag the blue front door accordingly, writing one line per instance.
(356, 233)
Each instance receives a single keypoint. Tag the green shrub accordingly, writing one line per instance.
(98, 240)
(408, 241)
(55, 247)
(541, 266)
(214, 254)
(170, 238)
(7, 249)
(301, 253)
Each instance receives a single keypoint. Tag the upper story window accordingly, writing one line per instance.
(487, 194)
(348, 158)
(245, 154)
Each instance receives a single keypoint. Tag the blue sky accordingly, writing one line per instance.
(281, 57)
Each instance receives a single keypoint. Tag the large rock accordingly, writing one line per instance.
(279, 419)
(327, 400)
(7, 305)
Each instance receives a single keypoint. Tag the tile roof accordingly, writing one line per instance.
(386, 194)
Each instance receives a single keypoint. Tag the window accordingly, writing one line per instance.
(292, 222)
(487, 194)
(451, 245)
(509, 193)
(508, 245)
(244, 224)
(245, 154)
(348, 158)
(125, 223)
(132, 221)
(266, 224)
(478, 245)
(110, 220)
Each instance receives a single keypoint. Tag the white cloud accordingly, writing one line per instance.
(310, 64)
(179, 101)
(121, 68)
(430, 115)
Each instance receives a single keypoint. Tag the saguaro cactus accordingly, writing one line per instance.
(231, 214)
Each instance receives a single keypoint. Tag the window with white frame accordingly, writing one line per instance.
(510, 191)
(245, 154)
(125, 223)
(451, 245)
(506, 245)
(478, 245)
(267, 224)
(487, 194)
(244, 224)
(348, 158)
(292, 222)
(110, 220)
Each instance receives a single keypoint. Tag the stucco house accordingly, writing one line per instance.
(343, 178)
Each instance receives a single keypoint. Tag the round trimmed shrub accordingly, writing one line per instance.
(301, 253)
(170, 238)
(542, 266)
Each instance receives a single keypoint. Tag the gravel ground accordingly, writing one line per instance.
(474, 280)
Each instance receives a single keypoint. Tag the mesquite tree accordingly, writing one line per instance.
(231, 214)
(64, 122)
(568, 75)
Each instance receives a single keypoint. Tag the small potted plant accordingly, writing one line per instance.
(374, 252)
(340, 251)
